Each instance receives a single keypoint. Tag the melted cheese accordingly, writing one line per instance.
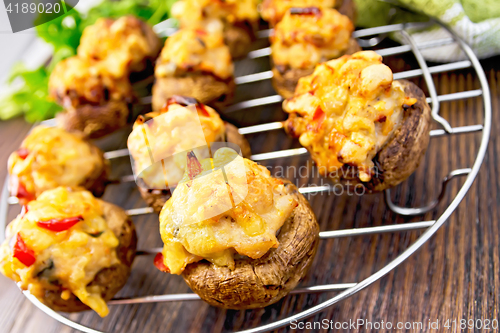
(119, 44)
(191, 12)
(109, 51)
(196, 50)
(273, 10)
(71, 258)
(55, 158)
(76, 81)
(218, 214)
(346, 111)
(170, 134)
(304, 40)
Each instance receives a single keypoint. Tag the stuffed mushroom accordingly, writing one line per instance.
(359, 125)
(273, 11)
(304, 38)
(94, 87)
(50, 157)
(96, 103)
(123, 46)
(238, 18)
(240, 238)
(70, 250)
(160, 140)
(195, 63)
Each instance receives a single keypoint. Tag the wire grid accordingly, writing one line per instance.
(347, 289)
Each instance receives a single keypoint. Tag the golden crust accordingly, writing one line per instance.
(155, 44)
(273, 13)
(95, 102)
(239, 19)
(51, 163)
(78, 81)
(156, 198)
(125, 45)
(178, 114)
(204, 87)
(346, 112)
(308, 36)
(285, 83)
(402, 154)
(111, 279)
(196, 50)
(191, 12)
(94, 86)
(256, 283)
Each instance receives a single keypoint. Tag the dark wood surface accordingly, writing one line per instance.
(454, 276)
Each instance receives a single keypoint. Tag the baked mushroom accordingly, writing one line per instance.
(96, 103)
(160, 140)
(70, 250)
(273, 11)
(239, 19)
(195, 63)
(240, 238)
(50, 157)
(359, 125)
(94, 87)
(123, 46)
(304, 38)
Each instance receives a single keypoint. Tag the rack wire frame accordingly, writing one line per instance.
(346, 289)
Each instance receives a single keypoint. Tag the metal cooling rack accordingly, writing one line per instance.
(371, 38)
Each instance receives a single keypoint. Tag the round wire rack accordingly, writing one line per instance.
(368, 38)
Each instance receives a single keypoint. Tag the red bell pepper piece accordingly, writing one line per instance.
(201, 32)
(24, 254)
(202, 111)
(59, 225)
(193, 165)
(318, 119)
(18, 190)
(305, 11)
(319, 116)
(22, 193)
(158, 261)
(23, 152)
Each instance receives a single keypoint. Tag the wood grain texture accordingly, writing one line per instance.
(454, 276)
